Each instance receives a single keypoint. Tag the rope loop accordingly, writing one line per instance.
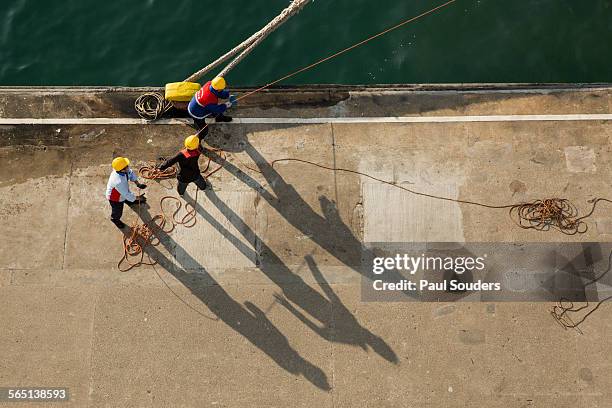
(152, 105)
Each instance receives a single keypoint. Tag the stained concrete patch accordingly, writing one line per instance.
(214, 241)
(393, 215)
(443, 311)
(580, 159)
(586, 374)
(517, 186)
(33, 223)
(472, 337)
(604, 225)
(91, 239)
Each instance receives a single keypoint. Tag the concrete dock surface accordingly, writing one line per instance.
(259, 304)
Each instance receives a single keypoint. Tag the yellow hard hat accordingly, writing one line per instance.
(192, 142)
(218, 83)
(120, 163)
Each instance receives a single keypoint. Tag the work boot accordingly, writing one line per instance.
(223, 118)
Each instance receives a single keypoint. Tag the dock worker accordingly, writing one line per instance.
(118, 189)
(189, 169)
(205, 103)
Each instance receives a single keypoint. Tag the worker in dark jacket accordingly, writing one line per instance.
(189, 170)
(205, 103)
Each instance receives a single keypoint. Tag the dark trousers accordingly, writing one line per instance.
(116, 210)
(200, 182)
(201, 124)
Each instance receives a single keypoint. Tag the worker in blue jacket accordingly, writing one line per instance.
(205, 103)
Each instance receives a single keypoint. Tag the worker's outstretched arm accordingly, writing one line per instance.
(214, 108)
(132, 176)
(170, 161)
(224, 94)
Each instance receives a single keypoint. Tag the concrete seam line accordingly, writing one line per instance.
(348, 120)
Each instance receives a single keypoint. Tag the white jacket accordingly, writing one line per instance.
(118, 188)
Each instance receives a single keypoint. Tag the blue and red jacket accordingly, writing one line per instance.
(208, 98)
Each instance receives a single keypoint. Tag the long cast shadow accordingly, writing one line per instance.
(346, 329)
(336, 322)
(248, 320)
(328, 231)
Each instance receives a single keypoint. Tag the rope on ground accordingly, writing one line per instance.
(189, 218)
(144, 234)
(152, 105)
(151, 172)
(542, 215)
(564, 309)
(556, 213)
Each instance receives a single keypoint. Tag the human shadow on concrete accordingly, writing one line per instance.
(247, 320)
(328, 231)
(336, 323)
(345, 329)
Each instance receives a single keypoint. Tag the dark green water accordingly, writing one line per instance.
(151, 42)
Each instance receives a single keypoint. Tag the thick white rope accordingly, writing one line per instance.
(197, 75)
(250, 43)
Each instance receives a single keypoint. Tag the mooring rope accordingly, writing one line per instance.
(564, 309)
(152, 172)
(156, 108)
(144, 234)
(542, 215)
(336, 54)
(152, 105)
(250, 43)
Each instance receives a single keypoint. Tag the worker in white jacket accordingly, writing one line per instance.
(118, 189)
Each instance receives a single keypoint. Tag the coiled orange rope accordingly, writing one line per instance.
(563, 311)
(542, 215)
(144, 234)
